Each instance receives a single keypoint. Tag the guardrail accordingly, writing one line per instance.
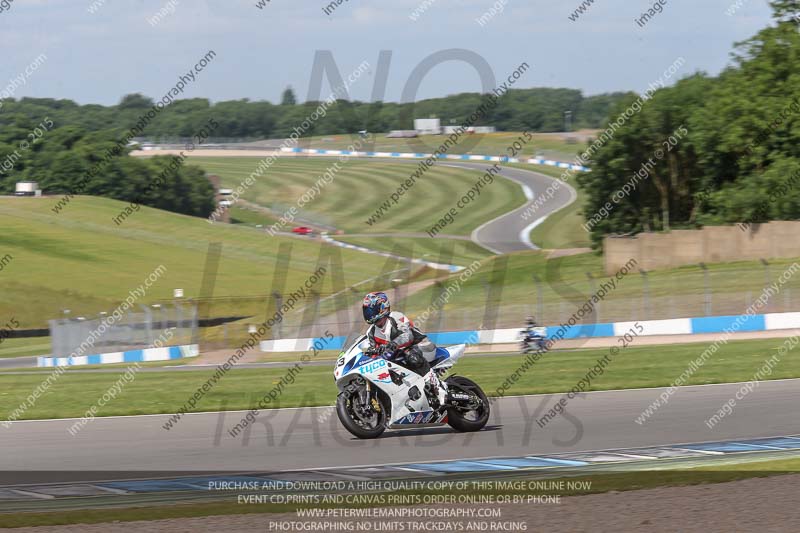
(165, 353)
(453, 157)
(673, 326)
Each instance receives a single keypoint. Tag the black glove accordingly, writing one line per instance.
(373, 351)
(391, 347)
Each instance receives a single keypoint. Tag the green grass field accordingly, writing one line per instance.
(548, 145)
(360, 187)
(561, 230)
(25, 347)
(559, 371)
(251, 217)
(80, 260)
(449, 251)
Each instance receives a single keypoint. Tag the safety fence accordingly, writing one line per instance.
(453, 157)
(553, 299)
(135, 328)
(677, 326)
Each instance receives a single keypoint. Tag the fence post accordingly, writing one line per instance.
(148, 329)
(488, 291)
(539, 299)
(316, 297)
(179, 323)
(645, 294)
(195, 320)
(278, 304)
(160, 321)
(594, 291)
(440, 321)
(56, 337)
(707, 284)
(767, 279)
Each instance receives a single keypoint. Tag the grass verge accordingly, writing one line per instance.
(165, 392)
(355, 188)
(80, 260)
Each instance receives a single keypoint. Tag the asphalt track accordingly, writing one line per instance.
(509, 232)
(505, 234)
(312, 438)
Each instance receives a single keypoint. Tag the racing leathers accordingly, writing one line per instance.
(397, 334)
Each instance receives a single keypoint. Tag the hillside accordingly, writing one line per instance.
(82, 261)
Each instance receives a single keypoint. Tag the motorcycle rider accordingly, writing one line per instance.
(529, 336)
(530, 323)
(392, 333)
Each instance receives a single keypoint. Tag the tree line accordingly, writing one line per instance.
(535, 110)
(60, 156)
(742, 144)
(84, 148)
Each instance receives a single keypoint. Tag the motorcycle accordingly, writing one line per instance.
(533, 339)
(378, 394)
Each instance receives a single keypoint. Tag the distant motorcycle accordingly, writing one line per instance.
(377, 393)
(533, 339)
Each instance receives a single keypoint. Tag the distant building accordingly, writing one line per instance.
(28, 188)
(428, 126)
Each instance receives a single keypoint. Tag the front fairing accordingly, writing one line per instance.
(351, 356)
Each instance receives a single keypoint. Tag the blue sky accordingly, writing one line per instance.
(98, 57)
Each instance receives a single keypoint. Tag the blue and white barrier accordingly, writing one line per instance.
(673, 326)
(452, 157)
(165, 353)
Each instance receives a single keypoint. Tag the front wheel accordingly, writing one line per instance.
(469, 415)
(365, 422)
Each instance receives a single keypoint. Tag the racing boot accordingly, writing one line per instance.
(435, 391)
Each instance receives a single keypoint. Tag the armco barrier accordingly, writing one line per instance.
(673, 326)
(165, 353)
(452, 157)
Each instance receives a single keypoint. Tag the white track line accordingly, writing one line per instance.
(525, 234)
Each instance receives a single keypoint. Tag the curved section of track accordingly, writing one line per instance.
(504, 234)
(509, 232)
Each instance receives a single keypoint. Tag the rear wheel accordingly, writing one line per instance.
(467, 415)
(363, 421)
